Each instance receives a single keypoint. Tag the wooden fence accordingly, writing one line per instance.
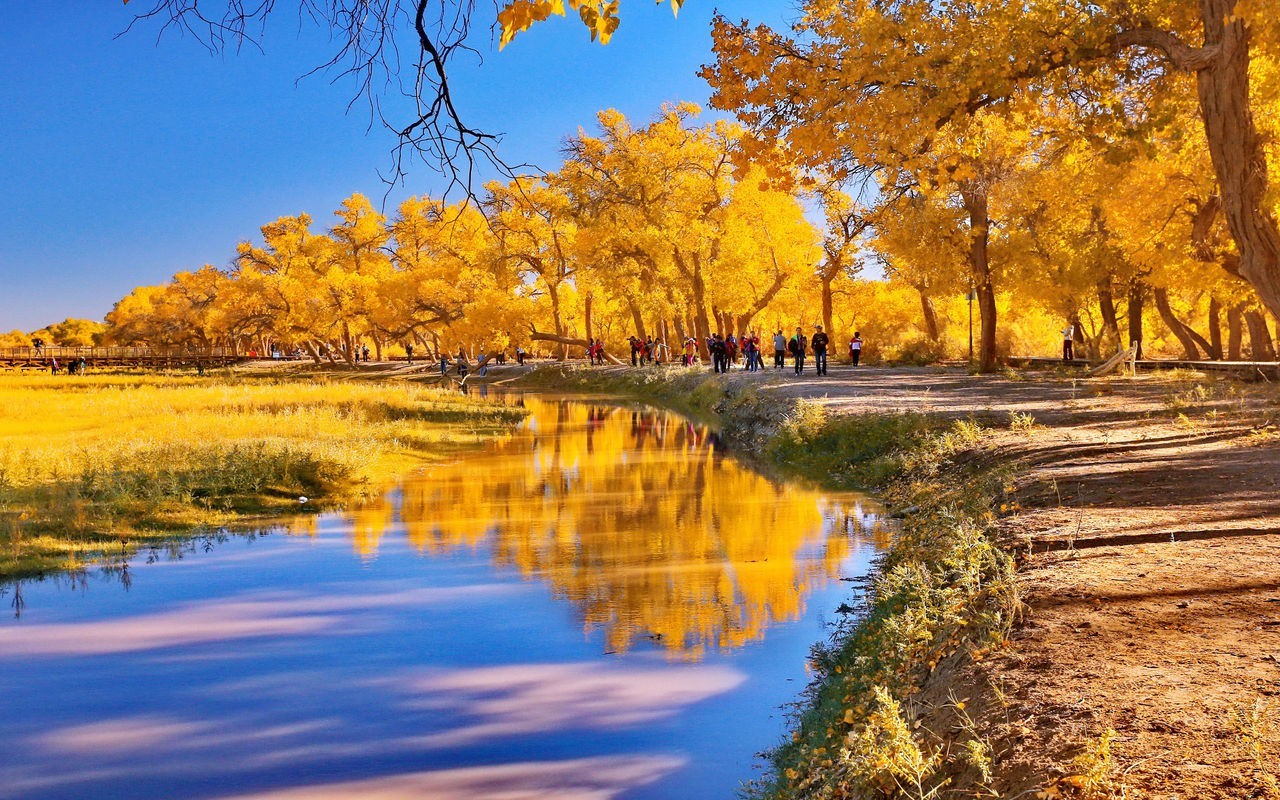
(44, 357)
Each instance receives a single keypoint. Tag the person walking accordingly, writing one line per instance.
(797, 346)
(690, 351)
(719, 354)
(519, 355)
(855, 348)
(1068, 342)
(779, 350)
(819, 344)
(749, 350)
(408, 353)
(461, 361)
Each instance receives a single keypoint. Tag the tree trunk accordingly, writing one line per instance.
(1189, 350)
(1079, 342)
(1238, 149)
(1215, 329)
(570, 341)
(1110, 324)
(553, 291)
(637, 318)
(702, 325)
(1235, 332)
(828, 307)
(975, 202)
(1261, 348)
(377, 349)
(312, 351)
(586, 314)
(931, 327)
(1137, 290)
(348, 345)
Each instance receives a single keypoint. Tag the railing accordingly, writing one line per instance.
(114, 353)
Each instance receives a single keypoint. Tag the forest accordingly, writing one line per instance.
(893, 169)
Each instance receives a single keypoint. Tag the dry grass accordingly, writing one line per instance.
(100, 461)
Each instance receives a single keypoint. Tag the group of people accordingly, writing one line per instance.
(462, 364)
(643, 351)
(728, 351)
(74, 366)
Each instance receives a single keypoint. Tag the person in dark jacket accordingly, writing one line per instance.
(819, 344)
(798, 344)
(719, 354)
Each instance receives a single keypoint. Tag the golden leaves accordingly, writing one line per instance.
(520, 15)
(600, 17)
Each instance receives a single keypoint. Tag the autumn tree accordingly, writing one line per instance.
(535, 234)
(875, 82)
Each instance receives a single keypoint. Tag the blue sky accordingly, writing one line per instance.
(126, 160)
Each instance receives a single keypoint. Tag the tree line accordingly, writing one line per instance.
(1105, 164)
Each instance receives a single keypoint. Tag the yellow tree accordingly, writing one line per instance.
(921, 242)
(767, 243)
(657, 195)
(286, 277)
(879, 82)
(535, 232)
(357, 264)
(443, 258)
(71, 333)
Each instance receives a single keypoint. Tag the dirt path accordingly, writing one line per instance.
(1149, 534)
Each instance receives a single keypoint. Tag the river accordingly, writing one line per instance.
(600, 604)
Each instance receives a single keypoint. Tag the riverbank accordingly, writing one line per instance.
(1143, 519)
(108, 463)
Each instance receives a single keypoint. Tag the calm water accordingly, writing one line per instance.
(600, 605)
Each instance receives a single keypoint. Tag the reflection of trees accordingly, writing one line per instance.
(637, 519)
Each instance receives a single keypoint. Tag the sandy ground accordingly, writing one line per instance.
(1149, 541)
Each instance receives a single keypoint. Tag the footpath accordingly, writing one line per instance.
(1145, 520)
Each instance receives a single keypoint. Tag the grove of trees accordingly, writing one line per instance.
(1109, 164)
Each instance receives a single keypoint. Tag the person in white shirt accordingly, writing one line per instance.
(855, 347)
(1068, 342)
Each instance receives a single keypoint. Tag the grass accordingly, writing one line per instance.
(943, 588)
(107, 462)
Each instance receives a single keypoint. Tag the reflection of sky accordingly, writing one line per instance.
(286, 667)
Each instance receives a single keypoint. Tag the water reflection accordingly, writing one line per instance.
(447, 658)
(634, 516)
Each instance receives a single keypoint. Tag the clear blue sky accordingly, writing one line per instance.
(125, 160)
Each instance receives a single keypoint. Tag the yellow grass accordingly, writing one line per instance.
(101, 462)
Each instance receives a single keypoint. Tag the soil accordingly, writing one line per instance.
(1146, 518)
